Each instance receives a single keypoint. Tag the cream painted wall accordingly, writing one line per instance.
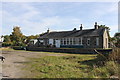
(105, 39)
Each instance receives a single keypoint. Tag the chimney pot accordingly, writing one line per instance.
(95, 23)
(81, 27)
(96, 26)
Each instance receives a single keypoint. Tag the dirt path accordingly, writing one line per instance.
(12, 67)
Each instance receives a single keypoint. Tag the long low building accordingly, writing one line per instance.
(83, 38)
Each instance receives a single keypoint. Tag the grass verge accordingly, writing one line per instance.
(70, 66)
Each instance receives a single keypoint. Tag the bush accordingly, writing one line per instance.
(18, 44)
(110, 62)
(112, 68)
(6, 44)
(115, 56)
(19, 47)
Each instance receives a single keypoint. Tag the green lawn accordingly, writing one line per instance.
(70, 66)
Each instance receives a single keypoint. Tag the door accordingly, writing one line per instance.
(57, 43)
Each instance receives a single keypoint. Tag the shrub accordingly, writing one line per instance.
(112, 68)
(115, 56)
(6, 44)
(18, 47)
(18, 44)
(111, 62)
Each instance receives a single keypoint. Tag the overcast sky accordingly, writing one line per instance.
(37, 17)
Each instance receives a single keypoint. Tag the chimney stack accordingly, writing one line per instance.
(96, 26)
(81, 27)
(48, 30)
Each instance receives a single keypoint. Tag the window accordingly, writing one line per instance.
(70, 41)
(64, 41)
(80, 41)
(97, 41)
(77, 41)
(61, 41)
(67, 41)
(88, 41)
(73, 40)
(54, 41)
(47, 41)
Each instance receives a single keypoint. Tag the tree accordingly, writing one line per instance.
(7, 38)
(117, 40)
(17, 37)
(108, 30)
(7, 41)
(104, 27)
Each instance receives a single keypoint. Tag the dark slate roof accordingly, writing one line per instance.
(74, 33)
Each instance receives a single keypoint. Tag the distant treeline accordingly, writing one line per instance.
(16, 38)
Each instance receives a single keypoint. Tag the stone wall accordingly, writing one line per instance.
(63, 50)
(70, 50)
(84, 42)
(93, 42)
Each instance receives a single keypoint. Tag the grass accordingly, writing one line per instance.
(56, 67)
(70, 66)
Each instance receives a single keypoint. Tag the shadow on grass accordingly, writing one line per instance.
(21, 62)
(94, 62)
